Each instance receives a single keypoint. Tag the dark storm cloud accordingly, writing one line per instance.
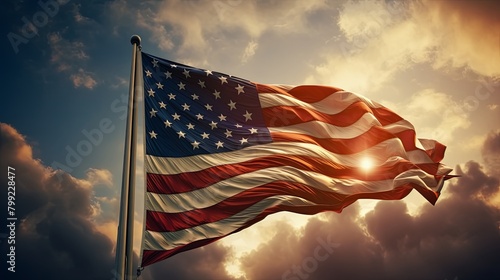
(458, 238)
(58, 237)
(55, 236)
(205, 263)
(333, 249)
(491, 151)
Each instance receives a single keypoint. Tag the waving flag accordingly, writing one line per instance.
(222, 153)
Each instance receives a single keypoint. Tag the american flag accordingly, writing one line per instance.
(223, 152)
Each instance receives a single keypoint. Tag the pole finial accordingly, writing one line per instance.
(135, 39)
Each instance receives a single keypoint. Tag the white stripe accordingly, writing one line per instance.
(321, 129)
(379, 153)
(280, 87)
(170, 240)
(324, 130)
(333, 104)
(218, 192)
(399, 126)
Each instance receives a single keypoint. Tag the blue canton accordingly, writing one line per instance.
(191, 111)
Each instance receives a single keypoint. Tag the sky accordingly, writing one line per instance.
(62, 125)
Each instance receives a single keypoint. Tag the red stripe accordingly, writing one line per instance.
(385, 116)
(288, 115)
(305, 93)
(437, 153)
(152, 256)
(408, 138)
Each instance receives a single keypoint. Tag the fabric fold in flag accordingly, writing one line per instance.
(223, 152)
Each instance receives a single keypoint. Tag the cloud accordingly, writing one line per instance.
(330, 248)
(62, 232)
(372, 47)
(434, 114)
(161, 36)
(119, 83)
(77, 15)
(202, 263)
(100, 176)
(210, 21)
(491, 152)
(364, 20)
(66, 55)
(84, 79)
(379, 39)
(56, 234)
(249, 51)
(459, 28)
(64, 52)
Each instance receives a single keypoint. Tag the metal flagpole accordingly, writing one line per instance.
(128, 178)
(138, 84)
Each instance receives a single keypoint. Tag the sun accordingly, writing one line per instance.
(366, 163)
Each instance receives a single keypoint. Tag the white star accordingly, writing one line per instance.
(208, 72)
(201, 83)
(181, 86)
(190, 126)
(148, 73)
(171, 96)
(194, 96)
(176, 117)
(205, 135)
(253, 130)
(168, 75)
(219, 144)
(247, 115)
(213, 124)
(173, 66)
(151, 92)
(162, 105)
(222, 117)
(195, 144)
(159, 85)
(186, 73)
(152, 134)
(228, 133)
(199, 116)
(153, 112)
(185, 107)
(232, 105)
(243, 140)
(167, 123)
(208, 107)
(239, 88)
(155, 63)
(238, 125)
(223, 80)
(181, 134)
(216, 94)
